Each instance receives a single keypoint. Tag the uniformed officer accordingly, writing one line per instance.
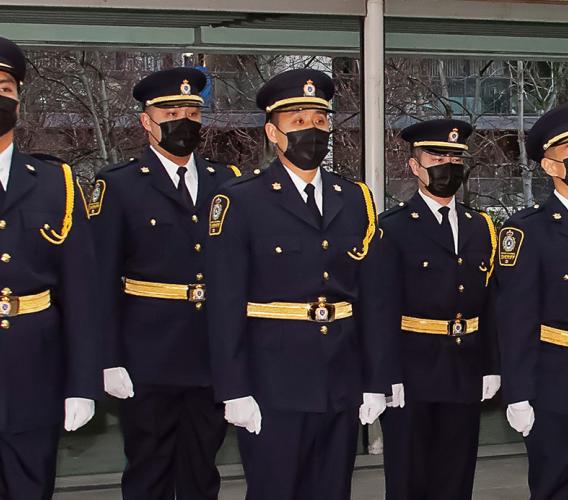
(533, 319)
(291, 276)
(150, 222)
(436, 262)
(49, 344)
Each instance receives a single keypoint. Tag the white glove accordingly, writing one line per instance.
(491, 384)
(397, 396)
(118, 383)
(244, 412)
(78, 411)
(372, 407)
(521, 417)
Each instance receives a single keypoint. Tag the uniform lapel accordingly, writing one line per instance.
(161, 181)
(332, 198)
(22, 180)
(206, 180)
(426, 222)
(465, 226)
(286, 193)
(557, 214)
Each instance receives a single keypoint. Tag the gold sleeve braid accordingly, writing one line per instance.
(58, 238)
(371, 227)
(493, 235)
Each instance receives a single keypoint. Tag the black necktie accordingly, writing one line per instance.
(311, 202)
(447, 234)
(182, 187)
(2, 195)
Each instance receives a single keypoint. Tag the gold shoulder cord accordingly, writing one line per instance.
(235, 170)
(58, 238)
(493, 234)
(371, 228)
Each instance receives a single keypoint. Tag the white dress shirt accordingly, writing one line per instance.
(301, 185)
(191, 178)
(562, 199)
(434, 206)
(5, 163)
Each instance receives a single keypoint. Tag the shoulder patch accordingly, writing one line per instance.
(219, 207)
(96, 202)
(510, 242)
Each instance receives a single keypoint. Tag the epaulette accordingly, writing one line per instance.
(391, 211)
(527, 212)
(255, 174)
(219, 164)
(118, 166)
(48, 158)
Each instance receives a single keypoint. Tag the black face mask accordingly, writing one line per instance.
(444, 180)
(565, 162)
(180, 137)
(307, 148)
(8, 114)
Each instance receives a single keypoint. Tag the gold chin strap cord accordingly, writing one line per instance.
(493, 235)
(371, 228)
(58, 238)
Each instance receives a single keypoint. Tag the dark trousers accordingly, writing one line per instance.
(171, 438)
(300, 456)
(430, 450)
(547, 447)
(27, 464)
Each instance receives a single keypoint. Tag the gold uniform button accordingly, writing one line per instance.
(5, 324)
(47, 227)
(199, 306)
(3, 224)
(325, 244)
(460, 261)
(6, 291)
(458, 341)
(278, 250)
(324, 330)
(425, 264)
(461, 288)
(565, 277)
(6, 257)
(199, 276)
(197, 247)
(325, 275)
(153, 222)
(195, 219)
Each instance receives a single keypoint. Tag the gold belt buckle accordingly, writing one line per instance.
(9, 306)
(321, 311)
(457, 327)
(196, 293)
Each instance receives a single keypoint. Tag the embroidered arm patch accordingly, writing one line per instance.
(219, 208)
(96, 203)
(510, 242)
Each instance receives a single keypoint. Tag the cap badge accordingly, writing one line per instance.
(309, 89)
(454, 135)
(185, 88)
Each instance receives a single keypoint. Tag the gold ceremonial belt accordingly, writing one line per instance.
(11, 305)
(452, 328)
(191, 293)
(320, 311)
(554, 335)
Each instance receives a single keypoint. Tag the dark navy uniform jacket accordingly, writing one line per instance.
(145, 232)
(270, 249)
(54, 354)
(422, 277)
(533, 291)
